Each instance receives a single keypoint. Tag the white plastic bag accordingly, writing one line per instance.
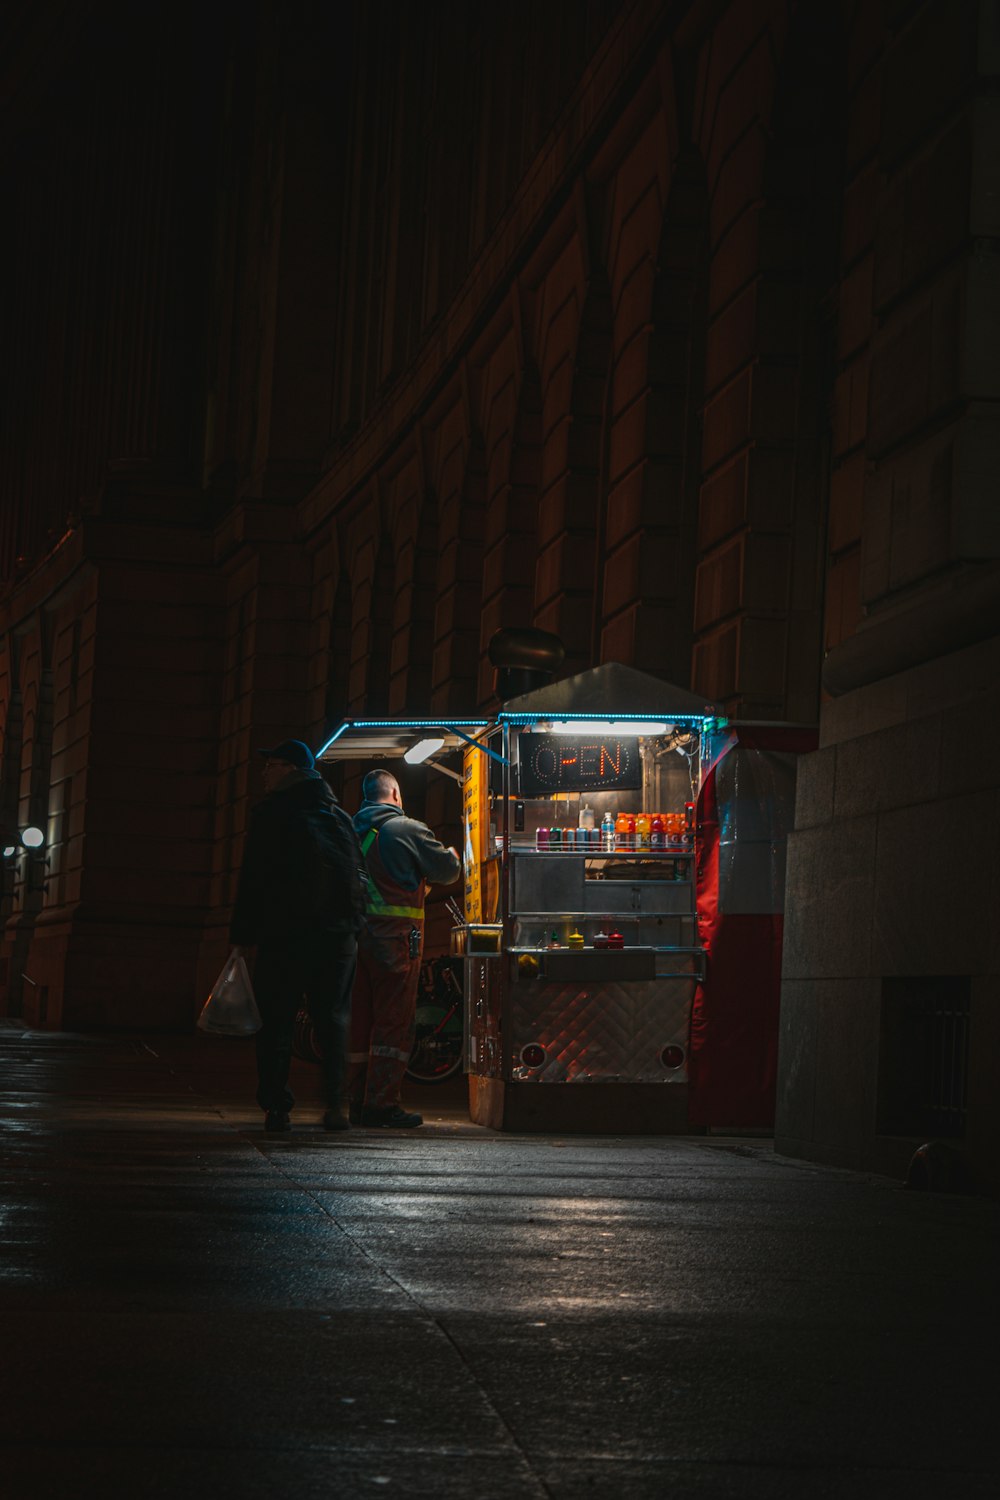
(231, 1009)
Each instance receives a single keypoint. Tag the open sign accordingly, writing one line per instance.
(592, 763)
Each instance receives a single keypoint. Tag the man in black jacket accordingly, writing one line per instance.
(298, 902)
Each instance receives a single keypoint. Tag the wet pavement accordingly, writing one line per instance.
(190, 1307)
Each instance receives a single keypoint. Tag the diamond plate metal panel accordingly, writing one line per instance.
(601, 1033)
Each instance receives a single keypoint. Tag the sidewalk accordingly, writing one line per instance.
(191, 1308)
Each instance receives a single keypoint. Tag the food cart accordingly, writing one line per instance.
(581, 939)
(579, 936)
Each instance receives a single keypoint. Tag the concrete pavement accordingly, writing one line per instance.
(190, 1307)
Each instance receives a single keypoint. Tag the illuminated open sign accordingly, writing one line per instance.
(579, 763)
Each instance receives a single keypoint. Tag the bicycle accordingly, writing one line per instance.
(440, 1039)
(439, 1044)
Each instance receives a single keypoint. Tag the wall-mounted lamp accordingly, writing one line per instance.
(26, 861)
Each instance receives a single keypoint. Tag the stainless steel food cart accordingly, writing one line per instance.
(581, 946)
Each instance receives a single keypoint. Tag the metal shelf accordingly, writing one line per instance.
(604, 916)
(588, 853)
(629, 948)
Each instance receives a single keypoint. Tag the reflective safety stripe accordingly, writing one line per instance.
(376, 906)
(390, 1052)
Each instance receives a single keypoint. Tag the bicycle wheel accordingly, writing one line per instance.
(437, 1049)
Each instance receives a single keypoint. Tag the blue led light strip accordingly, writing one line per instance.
(419, 723)
(458, 726)
(332, 740)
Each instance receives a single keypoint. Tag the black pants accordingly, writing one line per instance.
(317, 969)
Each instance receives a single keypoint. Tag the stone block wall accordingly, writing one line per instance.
(892, 871)
(893, 865)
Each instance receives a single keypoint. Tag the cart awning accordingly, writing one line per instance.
(392, 738)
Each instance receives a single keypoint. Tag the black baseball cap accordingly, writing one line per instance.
(294, 752)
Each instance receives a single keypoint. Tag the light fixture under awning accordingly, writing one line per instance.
(635, 725)
(422, 751)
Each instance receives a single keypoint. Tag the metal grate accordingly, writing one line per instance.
(923, 1056)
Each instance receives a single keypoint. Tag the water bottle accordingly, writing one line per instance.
(608, 831)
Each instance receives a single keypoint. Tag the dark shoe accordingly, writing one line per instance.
(276, 1121)
(390, 1117)
(334, 1120)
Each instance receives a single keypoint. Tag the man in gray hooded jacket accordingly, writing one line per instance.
(401, 856)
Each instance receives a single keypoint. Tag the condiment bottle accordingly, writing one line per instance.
(615, 940)
(575, 940)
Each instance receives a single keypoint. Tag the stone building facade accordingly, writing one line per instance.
(338, 336)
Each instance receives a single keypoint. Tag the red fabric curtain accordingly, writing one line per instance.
(745, 811)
